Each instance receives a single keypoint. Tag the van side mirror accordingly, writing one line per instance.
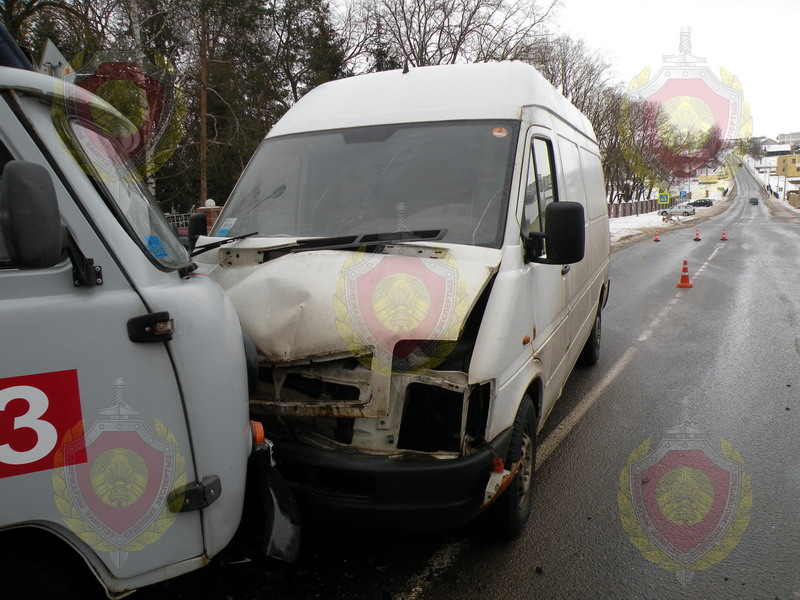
(29, 217)
(564, 238)
(198, 225)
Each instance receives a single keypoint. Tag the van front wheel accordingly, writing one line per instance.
(512, 508)
(591, 351)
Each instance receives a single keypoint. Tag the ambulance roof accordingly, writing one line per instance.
(41, 85)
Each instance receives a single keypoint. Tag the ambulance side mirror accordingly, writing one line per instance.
(30, 221)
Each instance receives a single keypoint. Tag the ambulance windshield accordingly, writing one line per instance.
(99, 143)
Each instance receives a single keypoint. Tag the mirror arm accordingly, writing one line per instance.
(84, 271)
(533, 244)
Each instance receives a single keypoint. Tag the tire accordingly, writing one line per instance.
(591, 350)
(664, 213)
(511, 510)
(686, 213)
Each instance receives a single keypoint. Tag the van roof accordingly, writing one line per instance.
(436, 93)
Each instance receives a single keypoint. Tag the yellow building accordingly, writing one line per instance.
(788, 166)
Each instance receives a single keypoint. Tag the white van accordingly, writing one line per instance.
(124, 422)
(421, 258)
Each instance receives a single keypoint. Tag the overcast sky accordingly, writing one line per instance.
(758, 42)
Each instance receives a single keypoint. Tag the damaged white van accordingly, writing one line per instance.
(421, 258)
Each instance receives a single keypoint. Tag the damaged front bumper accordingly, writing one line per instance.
(355, 491)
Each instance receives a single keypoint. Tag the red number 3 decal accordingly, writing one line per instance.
(46, 434)
(49, 407)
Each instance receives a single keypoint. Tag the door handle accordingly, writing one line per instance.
(565, 269)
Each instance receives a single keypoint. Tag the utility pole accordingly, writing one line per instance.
(203, 106)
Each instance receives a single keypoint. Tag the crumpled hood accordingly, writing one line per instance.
(327, 304)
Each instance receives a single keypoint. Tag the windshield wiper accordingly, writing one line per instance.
(367, 240)
(217, 244)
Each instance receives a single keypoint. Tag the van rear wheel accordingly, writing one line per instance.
(591, 350)
(513, 507)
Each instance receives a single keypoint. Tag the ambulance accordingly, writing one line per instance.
(421, 258)
(124, 426)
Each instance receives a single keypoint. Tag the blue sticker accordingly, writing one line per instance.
(225, 228)
(155, 246)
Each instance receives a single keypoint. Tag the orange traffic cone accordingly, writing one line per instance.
(656, 240)
(724, 237)
(696, 235)
(684, 282)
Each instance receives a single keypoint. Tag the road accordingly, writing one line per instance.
(711, 370)
(721, 357)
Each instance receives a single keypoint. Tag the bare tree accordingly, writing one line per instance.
(579, 73)
(431, 32)
(76, 25)
(754, 147)
(19, 15)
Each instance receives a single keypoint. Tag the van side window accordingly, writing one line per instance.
(5, 157)
(540, 187)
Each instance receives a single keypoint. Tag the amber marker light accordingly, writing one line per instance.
(257, 430)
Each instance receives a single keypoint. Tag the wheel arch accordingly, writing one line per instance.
(605, 291)
(535, 391)
(39, 547)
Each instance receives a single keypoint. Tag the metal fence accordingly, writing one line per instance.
(628, 209)
(179, 220)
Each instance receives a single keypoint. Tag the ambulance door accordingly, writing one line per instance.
(93, 440)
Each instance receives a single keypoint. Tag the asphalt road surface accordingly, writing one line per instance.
(669, 470)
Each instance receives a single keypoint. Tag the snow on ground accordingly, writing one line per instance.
(625, 230)
(628, 229)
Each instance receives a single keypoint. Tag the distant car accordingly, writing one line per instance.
(754, 200)
(678, 209)
(701, 202)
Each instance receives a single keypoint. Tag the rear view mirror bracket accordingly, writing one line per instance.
(84, 271)
(533, 245)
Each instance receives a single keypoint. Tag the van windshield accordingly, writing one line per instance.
(453, 176)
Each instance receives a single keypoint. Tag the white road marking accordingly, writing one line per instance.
(648, 333)
(708, 260)
(568, 424)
